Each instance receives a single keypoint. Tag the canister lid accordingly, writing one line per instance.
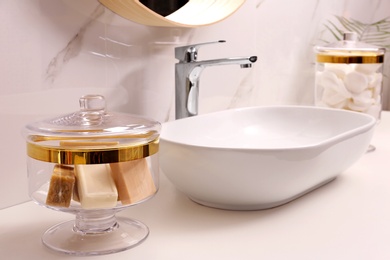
(350, 50)
(92, 135)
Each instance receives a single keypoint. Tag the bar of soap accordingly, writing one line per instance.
(61, 186)
(95, 186)
(133, 180)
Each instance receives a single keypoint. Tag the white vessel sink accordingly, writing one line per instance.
(261, 157)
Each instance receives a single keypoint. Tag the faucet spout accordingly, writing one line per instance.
(227, 61)
(187, 75)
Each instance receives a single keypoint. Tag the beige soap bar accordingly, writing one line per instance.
(95, 186)
(133, 180)
(61, 186)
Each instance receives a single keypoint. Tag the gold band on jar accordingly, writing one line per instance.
(91, 155)
(323, 58)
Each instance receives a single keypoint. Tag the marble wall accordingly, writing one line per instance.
(54, 51)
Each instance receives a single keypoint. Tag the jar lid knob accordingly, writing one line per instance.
(92, 103)
(92, 110)
(350, 36)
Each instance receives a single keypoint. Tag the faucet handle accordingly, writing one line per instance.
(189, 53)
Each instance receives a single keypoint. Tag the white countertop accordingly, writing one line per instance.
(348, 218)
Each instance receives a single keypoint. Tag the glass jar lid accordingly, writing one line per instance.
(92, 135)
(350, 50)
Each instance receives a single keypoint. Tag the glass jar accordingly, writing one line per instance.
(93, 163)
(349, 75)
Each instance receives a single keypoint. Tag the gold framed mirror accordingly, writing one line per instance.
(193, 13)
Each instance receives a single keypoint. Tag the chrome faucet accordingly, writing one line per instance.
(187, 75)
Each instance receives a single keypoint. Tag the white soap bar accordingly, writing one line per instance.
(96, 187)
(354, 87)
(356, 82)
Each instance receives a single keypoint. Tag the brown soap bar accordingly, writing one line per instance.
(133, 180)
(61, 186)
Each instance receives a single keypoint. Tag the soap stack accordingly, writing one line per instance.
(349, 75)
(91, 158)
(97, 186)
(354, 87)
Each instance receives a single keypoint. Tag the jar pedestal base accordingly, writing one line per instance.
(126, 234)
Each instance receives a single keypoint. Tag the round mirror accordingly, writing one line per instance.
(173, 13)
(164, 7)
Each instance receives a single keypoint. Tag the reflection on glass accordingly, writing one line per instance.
(164, 7)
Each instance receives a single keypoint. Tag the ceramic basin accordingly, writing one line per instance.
(261, 157)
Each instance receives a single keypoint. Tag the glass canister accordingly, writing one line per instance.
(349, 75)
(93, 163)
